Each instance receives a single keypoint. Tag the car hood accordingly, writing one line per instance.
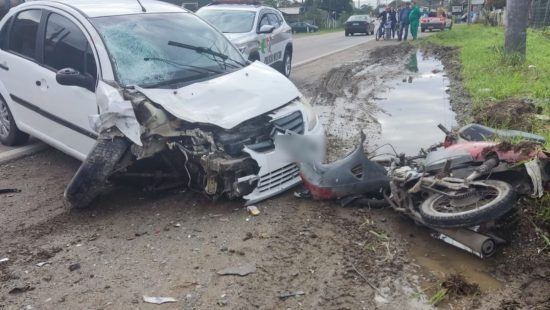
(228, 100)
(239, 38)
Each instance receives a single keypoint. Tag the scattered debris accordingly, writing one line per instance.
(368, 282)
(287, 294)
(9, 190)
(158, 300)
(177, 225)
(248, 236)
(20, 290)
(456, 285)
(3, 260)
(253, 210)
(74, 267)
(242, 270)
(44, 263)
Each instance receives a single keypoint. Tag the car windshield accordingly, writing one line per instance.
(155, 50)
(357, 18)
(230, 21)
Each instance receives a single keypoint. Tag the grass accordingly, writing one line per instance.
(489, 75)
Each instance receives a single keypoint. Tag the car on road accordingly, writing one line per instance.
(259, 32)
(359, 24)
(148, 93)
(303, 27)
(431, 21)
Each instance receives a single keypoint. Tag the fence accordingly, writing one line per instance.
(540, 14)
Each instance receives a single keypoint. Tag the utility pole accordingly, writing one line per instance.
(468, 18)
(517, 20)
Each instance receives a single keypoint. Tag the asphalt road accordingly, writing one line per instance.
(311, 47)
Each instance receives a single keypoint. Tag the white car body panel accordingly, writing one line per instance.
(228, 100)
(225, 101)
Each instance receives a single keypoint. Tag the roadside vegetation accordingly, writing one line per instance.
(490, 77)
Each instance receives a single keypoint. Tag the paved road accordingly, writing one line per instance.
(310, 47)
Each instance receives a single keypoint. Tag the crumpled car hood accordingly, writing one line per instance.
(228, 100)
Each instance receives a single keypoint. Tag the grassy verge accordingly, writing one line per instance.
(488, 76)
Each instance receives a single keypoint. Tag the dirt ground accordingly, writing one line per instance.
(307, 255)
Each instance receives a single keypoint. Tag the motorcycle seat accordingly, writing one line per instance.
(476, 132)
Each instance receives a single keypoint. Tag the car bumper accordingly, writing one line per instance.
(359, 29)
(432, 26)
(277, 173)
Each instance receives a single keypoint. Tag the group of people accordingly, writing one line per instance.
(406, 17)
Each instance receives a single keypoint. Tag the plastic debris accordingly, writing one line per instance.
(3, 260)
(42, 264)
(74, 267)
(242, 270)
(9, 190)
(19, 290)
(158, 300)
(287, 294)
(253, 210)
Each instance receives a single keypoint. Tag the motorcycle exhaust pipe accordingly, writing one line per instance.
(469, 240)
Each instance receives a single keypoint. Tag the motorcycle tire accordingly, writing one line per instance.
(89, 181)
(502, 202)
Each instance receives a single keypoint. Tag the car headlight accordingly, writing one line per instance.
(311, 116)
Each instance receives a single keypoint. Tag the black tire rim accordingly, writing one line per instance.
(5, 120)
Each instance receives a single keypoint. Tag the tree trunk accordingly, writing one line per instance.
(517, 20)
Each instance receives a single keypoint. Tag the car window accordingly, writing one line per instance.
(230, 21)
(273, 20)
(22, 38)
(4, 34)
(265, 20)
(65, 46)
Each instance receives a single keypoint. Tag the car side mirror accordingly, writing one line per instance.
(72, 77)
(266, 29)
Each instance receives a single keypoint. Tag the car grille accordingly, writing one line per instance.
(294, 122)
(278, 177)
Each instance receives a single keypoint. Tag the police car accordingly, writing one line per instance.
(259, 32)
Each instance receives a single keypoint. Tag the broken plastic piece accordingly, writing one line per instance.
(158, 300)
(242, 271)
(285, 295)
(253, 210)
(3, 260)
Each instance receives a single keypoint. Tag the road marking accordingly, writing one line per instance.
(22, 152)
(307, 61)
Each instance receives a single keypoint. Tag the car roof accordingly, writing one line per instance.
(100, 8)
(239, 6)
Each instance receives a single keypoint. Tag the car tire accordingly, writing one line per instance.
(90, 179)
(10, 135)
(286, 67)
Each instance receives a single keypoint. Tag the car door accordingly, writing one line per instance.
(277, 38)
(19, 66)
(65, 45)
(265, 39)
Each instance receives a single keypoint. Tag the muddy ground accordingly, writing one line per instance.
(132, 244)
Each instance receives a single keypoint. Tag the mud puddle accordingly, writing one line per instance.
(413, 104)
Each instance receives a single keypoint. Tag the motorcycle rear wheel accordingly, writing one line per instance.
(483, 204)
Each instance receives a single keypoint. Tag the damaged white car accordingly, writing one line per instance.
(147, 93)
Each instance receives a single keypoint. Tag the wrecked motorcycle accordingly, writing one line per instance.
(457, 188)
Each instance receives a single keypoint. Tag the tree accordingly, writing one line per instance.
(517, 19)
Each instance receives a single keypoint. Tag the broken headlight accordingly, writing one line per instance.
(311, 116)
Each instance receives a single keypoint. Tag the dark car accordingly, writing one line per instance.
(303, 27)
(359, 24)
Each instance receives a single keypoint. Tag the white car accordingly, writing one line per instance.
(259, 32)
(148, 93)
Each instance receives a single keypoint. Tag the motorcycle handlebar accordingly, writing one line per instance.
(445, 130)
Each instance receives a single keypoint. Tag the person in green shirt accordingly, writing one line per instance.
(414, 18)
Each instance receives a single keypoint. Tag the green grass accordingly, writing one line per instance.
(489, 76)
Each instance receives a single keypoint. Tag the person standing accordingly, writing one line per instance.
(404, 22)
(393, 19)
(414, 19)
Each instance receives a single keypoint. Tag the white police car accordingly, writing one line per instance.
(259, 32)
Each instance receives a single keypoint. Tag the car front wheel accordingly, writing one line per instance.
(10, 135)
(287, 63)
